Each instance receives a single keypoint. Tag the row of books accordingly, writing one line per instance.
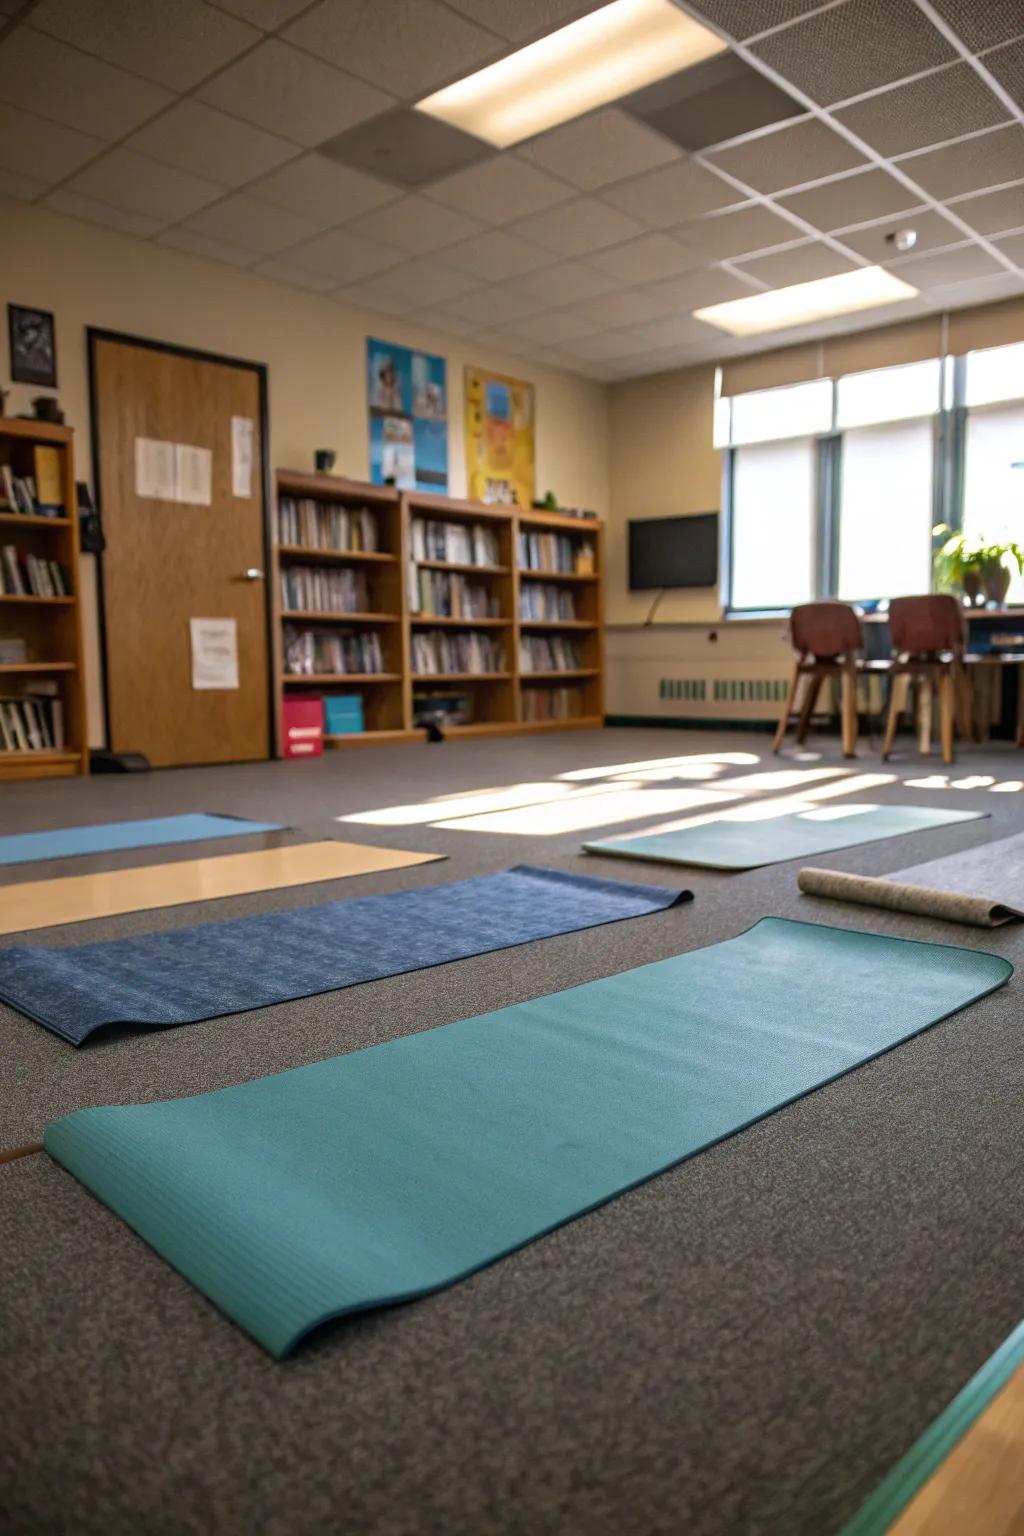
(456, 543)
(555, 552)
(324, 589)
(23, 575)
(552, 703)
(308, 652)
(548, 653)
(326, 525)
(38, 495)
(445, 595)
(438, 651)
(536, 601)
(31, 723)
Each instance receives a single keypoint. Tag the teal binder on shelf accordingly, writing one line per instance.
(343, 713)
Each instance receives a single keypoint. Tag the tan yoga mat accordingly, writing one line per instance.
(981, 886)
(76, 898)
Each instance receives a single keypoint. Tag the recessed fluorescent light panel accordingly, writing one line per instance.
(595, 60)
(866, 288)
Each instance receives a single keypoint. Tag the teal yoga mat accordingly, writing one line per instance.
(109, 836)
(386, 1174)
(749, 844)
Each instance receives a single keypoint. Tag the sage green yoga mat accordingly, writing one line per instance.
(382, 1175)
(738, 844)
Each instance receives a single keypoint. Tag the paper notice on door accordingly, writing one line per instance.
(243, 438)
(155, 470)
(194, 468)
(214, 653)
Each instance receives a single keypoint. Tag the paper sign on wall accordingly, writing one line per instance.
(194, 471)
(214, 653)
(243, 437)
(155, 469)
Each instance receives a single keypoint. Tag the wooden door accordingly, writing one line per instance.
(179, 551)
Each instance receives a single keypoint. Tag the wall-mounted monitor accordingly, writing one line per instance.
(673, 552)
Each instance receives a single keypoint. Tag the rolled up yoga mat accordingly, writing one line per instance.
(383, 1175)
(197, 973)
(112, 836)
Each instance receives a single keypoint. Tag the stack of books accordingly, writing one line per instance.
(455, 543)
(38, 495)
(537, 601)
(442, 594)
(324, 589)
(23, 575)
(548, 653)
(549, 703)
(559, 552)
(326, 525)
(312, 652)
(31, 723)
(438, 651)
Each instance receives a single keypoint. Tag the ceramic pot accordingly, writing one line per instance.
(972, 586)
(997, 582)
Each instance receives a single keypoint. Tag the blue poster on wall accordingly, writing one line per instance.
(407, 396)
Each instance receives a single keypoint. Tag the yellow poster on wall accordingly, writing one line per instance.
(499, 438)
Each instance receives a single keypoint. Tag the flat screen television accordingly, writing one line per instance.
(673, 552)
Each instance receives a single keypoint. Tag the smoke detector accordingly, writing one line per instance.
(903, 239)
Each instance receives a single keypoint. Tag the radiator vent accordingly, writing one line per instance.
(756, 690)
(693, 688)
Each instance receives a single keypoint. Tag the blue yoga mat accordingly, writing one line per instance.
(376, 1177)
(215, 968)
(749, 844)
(111, 836)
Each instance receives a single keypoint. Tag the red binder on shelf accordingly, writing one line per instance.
(302, 722)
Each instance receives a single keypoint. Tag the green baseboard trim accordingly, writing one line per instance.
(911, 1473)
(691, 722)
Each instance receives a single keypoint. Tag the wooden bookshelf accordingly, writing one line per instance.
(50, 626)
(390, 698)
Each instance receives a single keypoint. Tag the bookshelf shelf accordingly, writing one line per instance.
(48, 685)
(501, 702)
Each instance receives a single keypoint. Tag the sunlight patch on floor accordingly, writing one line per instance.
(734, 759)
(467, 803)
(578, 813)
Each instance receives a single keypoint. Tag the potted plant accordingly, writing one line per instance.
(971, 563)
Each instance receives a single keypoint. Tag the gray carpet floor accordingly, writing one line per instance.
(743, 1345)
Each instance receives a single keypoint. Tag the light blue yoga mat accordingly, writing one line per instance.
(376, 1177)
(250, 962)
(749, 844)
(111, 836)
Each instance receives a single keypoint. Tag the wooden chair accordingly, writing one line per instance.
(828, 641)
(929, 636)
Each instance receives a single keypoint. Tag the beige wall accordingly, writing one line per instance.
(313, 346)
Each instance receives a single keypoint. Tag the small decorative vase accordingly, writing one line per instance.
(997, 582)
(972, 587)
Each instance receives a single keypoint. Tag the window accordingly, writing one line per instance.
(888, 394)
(773, 524)
(995, 374)
(886, 510)
(764, 415)
(993, 506)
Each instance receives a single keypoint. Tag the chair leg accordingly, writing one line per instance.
(964, 701)
(848, 690)
(787, 710)
(946, 715)
(807, 707)
(897, 696)
(924, 713)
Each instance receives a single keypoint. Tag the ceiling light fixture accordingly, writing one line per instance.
(597, 59)
(865, 288)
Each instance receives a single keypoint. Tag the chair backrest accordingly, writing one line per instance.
(826, 629)
(928, 624)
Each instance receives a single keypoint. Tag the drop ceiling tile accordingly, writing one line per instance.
(667, 196)
(556, 326)
(321, 190)
(671, 332)
(713, 101)
(746, 18)
(579, 227)
(933, 232)
(140, 185)
(682, 295)
(78, 207)
(798, 264)
(495, 256)
(266, 14)
(719, 235)
(439, 320)
(592, 151)
(988, 160)
(407, 47)
(1007, 64)
(196, 138)
(992, 212)
(1013, 247)
(855, 47)
(407, 147)
(254, 226)
(788, 157)
(980, 290)
(416, 225)
(563, 283)
(284, 271)
(645, 260)
(982, 23)
(370, 296)
(855, 199)
(46, 151)
(176, 42)
(422, 283)
(491, 306)
(630, 306)
(23, 189)
(604, 344)
(292, 94)
(959, 265)
(926, 111)
(500, 190)
(345, 257)
(518, 20)
(40, 73)
(201, 245)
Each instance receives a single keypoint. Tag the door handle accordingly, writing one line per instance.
(252, 573)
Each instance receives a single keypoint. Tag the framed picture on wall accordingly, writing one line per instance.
(33, 346)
